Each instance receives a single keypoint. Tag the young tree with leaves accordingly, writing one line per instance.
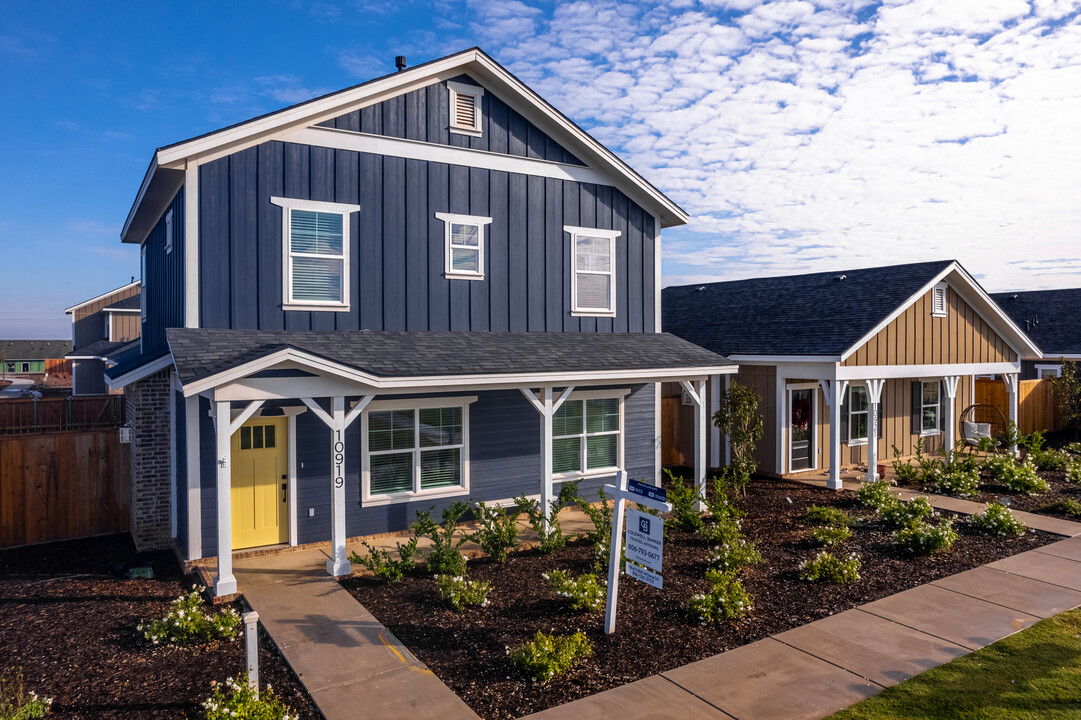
(738, 418)
(1066, 389)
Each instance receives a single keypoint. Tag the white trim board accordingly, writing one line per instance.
(864, 372)
(73, 308)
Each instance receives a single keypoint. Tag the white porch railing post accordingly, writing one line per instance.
(1011, 386)
(225, 583)
(949, 422)
(251, 647)
(337, 563)
(834, 391)
(874, 397)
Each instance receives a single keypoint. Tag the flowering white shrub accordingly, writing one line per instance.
(584, 593)
(926, 539)
(730, 550)
(189, 622)
(875, 494)
(546, 656)
(1073, 472)
(16, 703)
(898, 514)
(1019, 477)
(825, 566)
(997, 520)
(234, 699)
(958, 480)
(460, 593)
(726, 600)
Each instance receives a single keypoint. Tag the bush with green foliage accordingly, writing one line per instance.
(718, 503)
(548, 656)
(902, 514)
(956, 480)
(585, 593)
(188, 621)
(1019, 477)
(726, 599)
(829, 536)
(997, 520)
(497, 532)
(18, 703)
(444, 555)
(827, 567)
(739, 419)
(1068, 507)
(1074, 449)
(876, 494)
(460, 593)
(383, 565)
(824, 515)
(548, 529)
(1050, 460)
(234, 699)
(684, 498)
(924, 538)
(730, 551)
(907, 473)
(1066, 389)
(1073, 472)
(601, 537)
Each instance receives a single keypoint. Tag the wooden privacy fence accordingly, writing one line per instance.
(35, 415)
(1036, 405)
(62, 486)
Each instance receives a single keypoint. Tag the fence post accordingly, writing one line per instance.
(37, 426)
(251, 644)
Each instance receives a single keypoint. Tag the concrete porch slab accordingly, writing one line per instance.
(1042, 566)
(405, 693)
(769, 680)
(880, 650)
(1013, 591)
(653, 698)
(960, 619)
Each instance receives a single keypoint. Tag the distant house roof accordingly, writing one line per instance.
(132, 303)
(35, 349)
(806, 315)
(203, 353)
(102, 350)
(1052, 318)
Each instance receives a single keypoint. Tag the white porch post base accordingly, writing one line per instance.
(874, 396)
(834, 391)
(225, 586)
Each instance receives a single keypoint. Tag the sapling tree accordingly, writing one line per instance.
(738, 418)
(1066, 389)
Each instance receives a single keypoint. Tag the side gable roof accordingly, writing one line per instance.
(825, 316)
(35, 349)
(1052, 318)
(103, 296)
(165, 174)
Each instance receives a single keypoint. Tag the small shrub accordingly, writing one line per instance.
(18, 703)
(718, 505)
(1032, 442)
(827, 567)
(733, 552)
(1073, 472)
(902, 514)
(1068, 507)
(188, 622)
(1073, 448)
(383, 565)
(584, 593)
(997, 520)
(1019, 477)
(957, 480)
(875, 495)
(601, 537)
(444, 555)
(550, 531)
(923, 538)
(726, 600)
(498, 533)
(684, 497)
(906, 472)
(234, 699)
(829, 536)
(826, 516)
(1050, 460)
(548, 656)
(460, 593)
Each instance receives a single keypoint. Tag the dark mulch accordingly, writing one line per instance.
(469, 651)
(67, 619)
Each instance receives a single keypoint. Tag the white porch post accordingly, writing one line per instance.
(714, 406)
(194, 477)
(874, 397)
(338, 421)
(834, 390)
(225, 426)
(698, 394)
(1011, 385)
(547, 408)
(949, 422)
(727, 440)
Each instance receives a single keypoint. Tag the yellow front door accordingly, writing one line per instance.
(259, 479)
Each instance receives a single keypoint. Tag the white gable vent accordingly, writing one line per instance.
(465, 108)
(938, 300)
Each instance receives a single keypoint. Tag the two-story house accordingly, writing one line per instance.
(101, 327)
(431, 286)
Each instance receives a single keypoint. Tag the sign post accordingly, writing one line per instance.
(646, 537)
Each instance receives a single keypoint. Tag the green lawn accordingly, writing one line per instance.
(1035, 673)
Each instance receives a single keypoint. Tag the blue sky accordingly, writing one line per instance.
(801, 136)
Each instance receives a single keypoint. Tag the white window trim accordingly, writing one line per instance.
(1048, 371)
(583, 474)
(786, 425)
(169, 231)
(939, 288)
(938, 415)
(574, 232)
(476, 92)
(855, 442)
(369, 500)
(448, 264)
(343, 209)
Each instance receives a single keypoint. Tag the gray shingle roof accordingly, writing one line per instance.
(1058, 312)
(200, 353)
(103, 348)
(35, 349)
(131, 358)
(128, 304)
(815, 314)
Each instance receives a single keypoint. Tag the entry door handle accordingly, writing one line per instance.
(285, 492)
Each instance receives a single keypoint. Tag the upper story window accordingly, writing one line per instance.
(168, 232)
(464, 235)
(938, 300)
(593, 281)
(465, 108)
(315, 254)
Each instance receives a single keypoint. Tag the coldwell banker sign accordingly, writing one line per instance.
(645, 539)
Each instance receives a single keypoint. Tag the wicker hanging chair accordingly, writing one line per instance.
(983, 421)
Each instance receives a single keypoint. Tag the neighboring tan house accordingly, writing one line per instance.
(100, 328)
(842, 356)
(429, 287)
(1052, 319)
(33, 357)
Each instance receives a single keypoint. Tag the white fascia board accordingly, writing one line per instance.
(140, 372)
(783, 359)
(143, 186)
(874, 372)
(73, 308)
(133, 311)
(1052, 356)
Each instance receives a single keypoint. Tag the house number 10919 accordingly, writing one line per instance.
(339, 458)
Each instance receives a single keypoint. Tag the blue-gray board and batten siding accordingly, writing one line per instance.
(504, 462)
(164, 282)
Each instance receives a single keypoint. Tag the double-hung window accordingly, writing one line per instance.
(464, 240)
(858, 413)
(315, 254)
(930, 407)
(418, 449)
(593, 283)
(586, 435)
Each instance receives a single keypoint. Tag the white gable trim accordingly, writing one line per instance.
(140, 372)
(73, 308)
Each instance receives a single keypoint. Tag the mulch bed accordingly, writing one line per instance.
(469, 651)
(67, 619)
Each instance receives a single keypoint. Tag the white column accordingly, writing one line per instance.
(834, 390)
(874, 397)
(1011, 385)
(698, 394)
(950, 421)
(546, 455)
(225, 583)
(173, 455)
(194, 478)
(714, 406)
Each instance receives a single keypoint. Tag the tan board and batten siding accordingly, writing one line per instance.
(917, 338)
(125, 326)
